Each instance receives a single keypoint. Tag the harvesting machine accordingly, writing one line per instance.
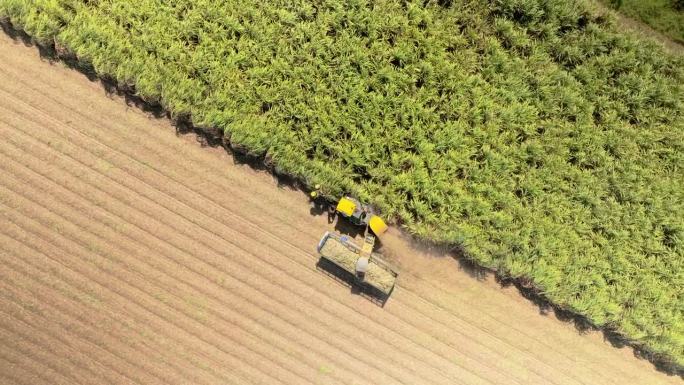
(354, 263)
(360, 214)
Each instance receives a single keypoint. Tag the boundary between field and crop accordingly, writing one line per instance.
(212, 137)
(642, 28)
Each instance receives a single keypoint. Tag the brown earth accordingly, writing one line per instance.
(133, 255)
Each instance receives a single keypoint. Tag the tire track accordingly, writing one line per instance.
(494, 350)
(420, 311)
(111, 270)
(40, 344)
(76, 327)
(84, 326)
(9, 161)
(169, 314)
(16, 361)
(509, 357)
(55, 370)
(471, 361)
(94, 321)
(53, 344)
(125, 305)
(216, 240)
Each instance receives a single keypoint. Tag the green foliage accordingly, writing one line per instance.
(665, 16)
(528, 132)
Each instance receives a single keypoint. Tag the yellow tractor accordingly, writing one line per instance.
(360, 214)
(364, 267)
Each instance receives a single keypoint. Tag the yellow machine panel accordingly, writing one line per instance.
(346, 207)
(377, 225)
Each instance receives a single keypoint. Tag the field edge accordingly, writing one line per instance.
(53, 52)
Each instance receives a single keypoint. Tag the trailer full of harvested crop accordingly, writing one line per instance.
(364, 269)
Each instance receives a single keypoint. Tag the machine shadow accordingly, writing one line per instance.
(345, 227)
(346, 278)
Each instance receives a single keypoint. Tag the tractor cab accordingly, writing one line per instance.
(352, 209)
(360, 214)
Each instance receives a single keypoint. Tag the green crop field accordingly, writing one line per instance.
(530, 134)
(666, 16)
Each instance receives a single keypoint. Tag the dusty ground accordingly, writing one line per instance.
(132, 255)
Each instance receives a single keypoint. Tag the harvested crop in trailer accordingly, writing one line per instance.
(345, 255)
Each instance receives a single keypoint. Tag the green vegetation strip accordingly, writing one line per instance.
(665, 16)
(529, 133)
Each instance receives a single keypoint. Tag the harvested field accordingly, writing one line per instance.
(131, 255)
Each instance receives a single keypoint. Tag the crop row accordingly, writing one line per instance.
(529, 133)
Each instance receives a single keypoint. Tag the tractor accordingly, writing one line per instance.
(360, 214)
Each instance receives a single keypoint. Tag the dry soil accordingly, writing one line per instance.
(130, 254)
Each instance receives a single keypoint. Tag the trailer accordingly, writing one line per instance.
(357, 265)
